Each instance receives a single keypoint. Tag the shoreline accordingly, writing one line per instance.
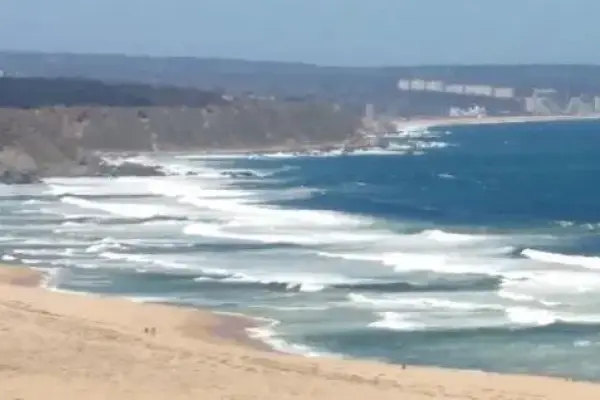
(353, 144)
(433, 122)
(440, 122)
(105, 337)
(229, 327)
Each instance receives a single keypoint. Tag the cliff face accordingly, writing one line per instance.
(235, 126)
(48, 125)
(53, 140)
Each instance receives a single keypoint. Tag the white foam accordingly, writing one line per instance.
(147, 260)
(292, 308)
(149, 299)
(308, 282)
(550, 281)
(212, 156)
(130, 210)
(446, 176)
(564, 259)
(32, 261)
(267, 334)
(419, 303)
(205, 192)
(525, 298)
(404, 262)
(448, 237)
(525, 316)
(282, 234)
(97, 186)
(52, 277)
(395, 322)
(292, 281)
(105, 244)
(44, 252)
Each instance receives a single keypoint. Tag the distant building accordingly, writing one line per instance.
(434, 86)
(2, 74)
(370, 112)
(544, 92)
(417, 84)
(530, 103)
(597, 104)
(543, 102)
(475, 111)
(578, 106)
(479, 90)
(504, 92)
(403, 85)
(455, 88)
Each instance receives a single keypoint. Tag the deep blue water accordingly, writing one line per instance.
(466, 247)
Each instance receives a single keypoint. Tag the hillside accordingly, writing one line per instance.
(47, 126)
(69, 92)
(350, 86)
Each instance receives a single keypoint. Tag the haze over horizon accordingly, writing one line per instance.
(328, 32)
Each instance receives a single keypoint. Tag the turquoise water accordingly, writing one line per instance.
(468, 247)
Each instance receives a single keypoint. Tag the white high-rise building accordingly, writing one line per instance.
(504, 92)
(479, 90)
(455, 88)
(597, 104)
(434, 86)
(403, 85)
(417, 84)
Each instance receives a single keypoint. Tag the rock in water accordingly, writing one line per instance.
(131, 169)
(17, 167)
(16, 177)
(239, 174)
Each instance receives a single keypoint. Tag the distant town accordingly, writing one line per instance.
(542, 101)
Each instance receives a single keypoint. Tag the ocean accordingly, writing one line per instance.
(466, 247)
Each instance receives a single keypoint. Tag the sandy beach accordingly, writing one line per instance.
(490, 120)
(68, 346)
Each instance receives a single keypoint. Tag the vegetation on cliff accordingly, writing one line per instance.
(48, 92)
(48, 125)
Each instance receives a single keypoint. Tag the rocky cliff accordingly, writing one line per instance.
(50, 140)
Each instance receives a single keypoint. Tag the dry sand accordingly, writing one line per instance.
(67, 346)
(491, 120)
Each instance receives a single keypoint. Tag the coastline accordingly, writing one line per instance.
(229, 327)
(401, 125)
(358, 141)
(490, 120)
(57, 345)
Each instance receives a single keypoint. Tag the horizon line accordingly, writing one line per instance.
(288, 63)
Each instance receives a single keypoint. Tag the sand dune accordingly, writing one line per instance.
(66, 346)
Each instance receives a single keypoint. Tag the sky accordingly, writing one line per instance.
(326, 32)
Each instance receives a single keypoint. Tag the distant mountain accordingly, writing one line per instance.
(350, 87)
(281, 78)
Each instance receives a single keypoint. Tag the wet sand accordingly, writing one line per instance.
(66, 346)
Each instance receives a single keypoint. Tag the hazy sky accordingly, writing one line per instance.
(342, 32)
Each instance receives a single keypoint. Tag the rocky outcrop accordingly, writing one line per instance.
(56, 140)
(16, 177)
(240, 125)
(17, 166)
